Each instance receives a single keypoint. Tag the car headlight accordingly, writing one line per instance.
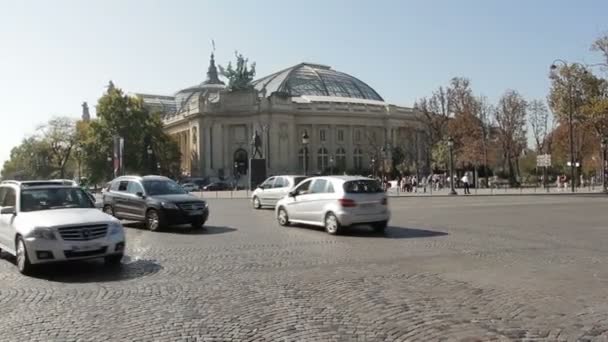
(168, 205)
(43, 233)
(115, 228)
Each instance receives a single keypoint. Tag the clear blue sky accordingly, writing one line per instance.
(56, 54)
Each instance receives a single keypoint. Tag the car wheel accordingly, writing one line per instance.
(23, 262)
(153, 222)
(332, 225)
(113, 260)
(256, 202)
(282, 217)
(107, 209)
(379, 227)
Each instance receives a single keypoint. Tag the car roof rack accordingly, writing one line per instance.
(31, 183)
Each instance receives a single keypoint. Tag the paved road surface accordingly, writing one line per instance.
(456, 269)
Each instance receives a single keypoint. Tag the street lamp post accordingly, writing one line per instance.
(78, 160)
(305, 141)
(331, 165)
(150, 165)
(374, 167)
(451, 148)
(109, 159)
(604, 143)
(570, 120)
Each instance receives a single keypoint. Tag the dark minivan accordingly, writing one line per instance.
(155, 200)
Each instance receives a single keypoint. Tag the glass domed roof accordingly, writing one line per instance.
(315, 80)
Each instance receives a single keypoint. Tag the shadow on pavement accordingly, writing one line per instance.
(185, 229)
(94, 270)
(391, 232)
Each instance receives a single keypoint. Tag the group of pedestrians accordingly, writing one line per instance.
(431, 182)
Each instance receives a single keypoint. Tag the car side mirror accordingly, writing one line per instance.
(8, 211)
(140, 194)
(292, 193)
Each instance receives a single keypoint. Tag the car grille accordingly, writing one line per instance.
(83, 233)
(72, 254)
(192, 206)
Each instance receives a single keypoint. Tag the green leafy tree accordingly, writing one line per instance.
(28, 160)
(121, 115)
(239, 78)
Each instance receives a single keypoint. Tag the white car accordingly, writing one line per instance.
(273, 189)
(335, 202)
(42, 222)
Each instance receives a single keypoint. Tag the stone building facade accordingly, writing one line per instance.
(350, 127)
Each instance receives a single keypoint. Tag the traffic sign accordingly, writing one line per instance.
(543, 160)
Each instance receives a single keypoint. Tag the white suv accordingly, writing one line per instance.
(43, 221)
(335, 202)
(273, 189)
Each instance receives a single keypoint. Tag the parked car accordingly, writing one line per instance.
(273, 189)
(43, 222)
(189, 187)
(335, 202)
(217, 186)
(155, 200)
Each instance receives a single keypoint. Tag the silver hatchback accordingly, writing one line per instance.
(335, 202)
(273, 189)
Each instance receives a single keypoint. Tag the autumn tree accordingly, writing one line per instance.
(436, 112)
(510, 117)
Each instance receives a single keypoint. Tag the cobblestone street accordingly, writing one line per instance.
(532, 268)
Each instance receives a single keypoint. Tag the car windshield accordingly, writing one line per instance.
(54, 198)
(362, 186)
(162, 187)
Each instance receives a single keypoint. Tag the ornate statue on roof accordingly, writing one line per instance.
(86, 116)
(239, 78)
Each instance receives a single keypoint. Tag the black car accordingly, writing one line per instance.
(157, 201)
(217, 186)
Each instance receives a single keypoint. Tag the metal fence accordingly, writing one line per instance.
(422, 191)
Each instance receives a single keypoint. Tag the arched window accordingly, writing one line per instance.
(240, 165)
(301, 160)
(358, 159)
(322, 159)
(341, 159)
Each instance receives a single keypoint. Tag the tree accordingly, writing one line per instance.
(28, 160)
(60, 135)
(436, 111)
(541, 122)
(483, 112)
(601, 45)
(125, 116)
(239, 78)
(510, 116)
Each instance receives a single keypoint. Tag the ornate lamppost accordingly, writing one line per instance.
(305, 142)
(451, 148)
(604, 144)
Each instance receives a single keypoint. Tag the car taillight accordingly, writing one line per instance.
(384, 201)
(347, 203)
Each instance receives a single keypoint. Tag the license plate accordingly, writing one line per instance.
(195, 213)
(368, 205)
(86, 248)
